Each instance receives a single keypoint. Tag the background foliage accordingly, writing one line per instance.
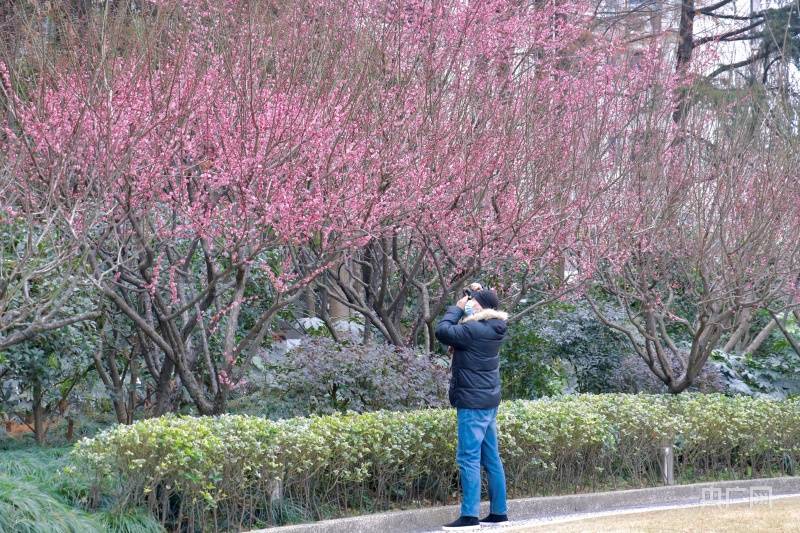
(323, 376)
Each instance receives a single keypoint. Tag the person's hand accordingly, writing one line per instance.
(462, 302)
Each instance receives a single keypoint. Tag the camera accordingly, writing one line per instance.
(473, 287)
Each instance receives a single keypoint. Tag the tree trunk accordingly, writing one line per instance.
(310, 301)
(163, 392)
(684, 53)
(133, 380)
(38, 412)
(760, 338)
(736, 336)
(339, 311)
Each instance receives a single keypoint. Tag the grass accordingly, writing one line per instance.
(782, 516)
(36, 496)
(26, 508)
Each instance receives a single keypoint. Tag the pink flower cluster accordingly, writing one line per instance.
(486, 131)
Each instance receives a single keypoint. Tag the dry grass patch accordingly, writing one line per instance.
(784, 515)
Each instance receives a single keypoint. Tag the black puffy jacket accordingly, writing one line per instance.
(475, 380)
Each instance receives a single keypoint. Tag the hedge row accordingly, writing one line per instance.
(238, 472)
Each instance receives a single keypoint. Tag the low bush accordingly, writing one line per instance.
(236, 472)
(321, 376)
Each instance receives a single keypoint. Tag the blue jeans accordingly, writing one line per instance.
(477, 446)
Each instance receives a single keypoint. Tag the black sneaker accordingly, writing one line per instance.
(495, 520)
(464, 523)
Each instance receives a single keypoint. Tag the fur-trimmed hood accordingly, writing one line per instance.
(487, 314)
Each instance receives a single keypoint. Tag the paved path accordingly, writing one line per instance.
(535, 523)
(530, 512)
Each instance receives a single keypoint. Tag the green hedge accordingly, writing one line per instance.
(222, 473)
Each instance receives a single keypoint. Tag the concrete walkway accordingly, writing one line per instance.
(532, 511)
(538, 524)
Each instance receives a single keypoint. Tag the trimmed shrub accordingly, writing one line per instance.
(236, 472)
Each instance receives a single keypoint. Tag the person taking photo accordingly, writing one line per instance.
(475, 330)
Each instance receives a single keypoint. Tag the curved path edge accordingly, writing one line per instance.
(549, 507)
